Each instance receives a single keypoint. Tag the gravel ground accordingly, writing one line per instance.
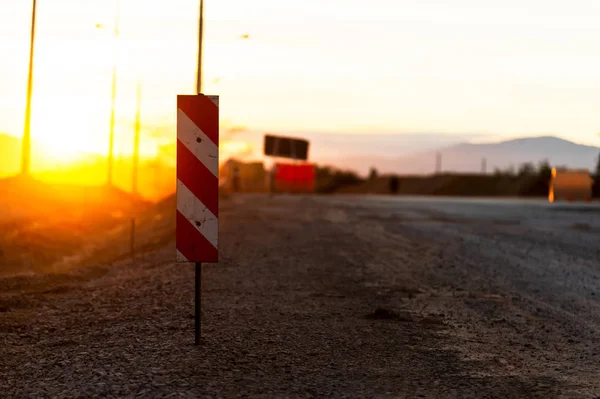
(326, 296)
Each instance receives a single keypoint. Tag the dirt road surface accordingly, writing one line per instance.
(370, 297)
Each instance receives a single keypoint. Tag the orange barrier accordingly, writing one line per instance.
(570, 185)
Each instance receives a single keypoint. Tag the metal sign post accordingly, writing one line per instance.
(197, 303)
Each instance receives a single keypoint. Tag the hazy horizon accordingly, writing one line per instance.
(358, 81)
(497, 69)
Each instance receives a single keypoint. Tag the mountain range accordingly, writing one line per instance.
(417, 153)
(469, 158)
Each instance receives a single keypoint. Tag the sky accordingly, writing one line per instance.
(493, 69)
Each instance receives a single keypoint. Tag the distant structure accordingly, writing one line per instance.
(483, 166)
(237, 176)
(438, 162)
(570, 185)
(373, 174)
(394, 184)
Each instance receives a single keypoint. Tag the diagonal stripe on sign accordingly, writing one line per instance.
(181, 258)
(198, 214)
(197, 178)
(197, 142)
(203, 112)
(192, 244)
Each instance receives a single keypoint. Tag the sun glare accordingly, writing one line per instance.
(60, 153)
(65, 129)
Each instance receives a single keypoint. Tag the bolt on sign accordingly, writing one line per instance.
(286, 147)
(197, 230)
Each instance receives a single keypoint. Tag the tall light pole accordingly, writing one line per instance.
(200, 40)
(26, 144)
(200, 45)
(136, 139)
(111, 137)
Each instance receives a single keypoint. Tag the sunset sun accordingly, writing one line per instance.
(65, 132)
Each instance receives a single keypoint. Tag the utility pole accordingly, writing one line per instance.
(438, 162)
(483, 166)
(111, 138)
(200, 42)
(136, 139)
(26, 144)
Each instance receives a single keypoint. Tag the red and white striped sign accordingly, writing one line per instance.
(197, 231)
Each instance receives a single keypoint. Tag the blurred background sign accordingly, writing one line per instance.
(286, 147)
